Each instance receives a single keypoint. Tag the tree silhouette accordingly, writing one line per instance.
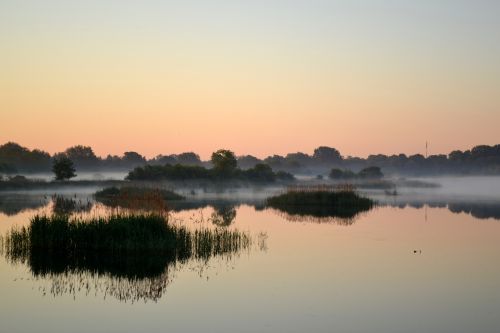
(63, 168)
(224, 161)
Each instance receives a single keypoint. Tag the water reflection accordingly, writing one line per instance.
(319, 218)
(223, 216)
(13, 204)
(128, 276)
(68, 205)
(477, 209)
(225, 210)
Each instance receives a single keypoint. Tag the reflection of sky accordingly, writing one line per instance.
(322, 277)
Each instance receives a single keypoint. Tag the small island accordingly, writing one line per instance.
(321, 202)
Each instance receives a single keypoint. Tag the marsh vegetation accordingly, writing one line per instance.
(321, 202)
(137, 197)
(131, 250)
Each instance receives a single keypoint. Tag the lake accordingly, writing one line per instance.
(425, 260)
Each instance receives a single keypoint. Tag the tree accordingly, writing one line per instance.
(261, 172)
(22, 159)
(82, 156)
(63, 168)
(327, 155)
(371, 173)
(336, 173)
(248, 161)
(131, 158)
(224, 161)
(188, 158)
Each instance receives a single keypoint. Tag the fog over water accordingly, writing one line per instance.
(423, 260)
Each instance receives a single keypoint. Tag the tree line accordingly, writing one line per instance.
(482, 159)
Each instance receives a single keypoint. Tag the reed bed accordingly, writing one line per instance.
(123, 242)
(321, 201)
(140, 198)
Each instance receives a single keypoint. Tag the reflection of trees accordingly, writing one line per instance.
(477, 209)
(223, 216)
(13, 204)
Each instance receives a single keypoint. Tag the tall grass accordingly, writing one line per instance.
(126, 244)
(321, 201)
(142, 198)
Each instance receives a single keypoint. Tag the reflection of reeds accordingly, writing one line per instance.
(129, 256)
(343, 221)
(63, 205)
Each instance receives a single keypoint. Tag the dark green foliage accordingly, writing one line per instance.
(371, 173)
(133, 159)
(15, 158)
(321, 203)
(481, 159)
(63, 168)
(224, 162)
(188, 158)
(121, 244)
(137, 197)
(367, 173)
(248, 161)
(260, 173)
(327, 155)
(82, 156)
(7, 168)
(169, 172)
(341, 174)
(285, 176)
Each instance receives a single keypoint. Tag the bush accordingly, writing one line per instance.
(367, 173)
(321, 203)
(259, 173)
(63, 168)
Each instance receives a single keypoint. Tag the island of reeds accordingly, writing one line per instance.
(131, 254)
(137, 197)
(321, 202)
(62, 242)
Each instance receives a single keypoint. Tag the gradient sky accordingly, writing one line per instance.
(257, 77)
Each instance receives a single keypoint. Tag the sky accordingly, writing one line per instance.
(257, 77)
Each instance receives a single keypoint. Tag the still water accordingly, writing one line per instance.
(422, 261)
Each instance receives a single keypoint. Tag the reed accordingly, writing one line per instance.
(118, 242)
(321, 201)
(137, 197)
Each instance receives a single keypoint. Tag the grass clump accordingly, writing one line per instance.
(136, 197)
(64, 205)
(125, 245)
(321, 202)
